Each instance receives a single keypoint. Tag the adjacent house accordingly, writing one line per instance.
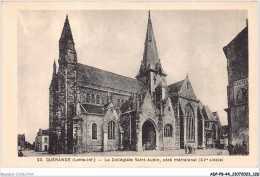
(42, 140)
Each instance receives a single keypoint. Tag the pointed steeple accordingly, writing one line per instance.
(150, 60)
(151, 72)
(66, 31)
(66, 45)
(54, 68)
(53, 80)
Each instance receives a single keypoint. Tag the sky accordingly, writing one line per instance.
(188, 42)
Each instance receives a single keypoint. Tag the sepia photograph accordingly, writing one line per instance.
(123, 85)
(103, 85)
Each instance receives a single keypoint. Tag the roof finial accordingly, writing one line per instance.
(67, 17)
(149, 13)
(54, 63)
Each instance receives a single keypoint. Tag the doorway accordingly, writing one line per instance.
(148, 136)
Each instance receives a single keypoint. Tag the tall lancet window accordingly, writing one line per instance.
(111, 130)
(87, 97)
(92, 98)
(94, 131)
(190, 123)
(97, 99)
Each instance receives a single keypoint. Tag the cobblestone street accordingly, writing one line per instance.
(200, 152)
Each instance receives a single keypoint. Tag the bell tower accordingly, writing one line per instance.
(66, 90)
(151, 72)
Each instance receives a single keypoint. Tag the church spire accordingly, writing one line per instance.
(150, 60)
(53, 80)
(151, 72)
(66, 45)
(54, 67)
(66, 31)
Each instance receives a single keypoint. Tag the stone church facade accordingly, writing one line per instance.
(95, 110)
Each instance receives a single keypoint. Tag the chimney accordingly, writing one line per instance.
(40, 131)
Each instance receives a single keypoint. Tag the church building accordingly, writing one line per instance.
(95, 110)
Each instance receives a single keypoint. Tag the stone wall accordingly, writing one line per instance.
(92, 145)
(169, 118)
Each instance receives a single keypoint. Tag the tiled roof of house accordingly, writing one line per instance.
(94, 109)
(95, 76)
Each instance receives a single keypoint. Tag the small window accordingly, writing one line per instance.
(94, 131)
(87, 97)
(97, 99)
(118, 103)
(188, 85)
(122, 102)
(111, 130)
(45, 140)
(168, 130)
(92, 98)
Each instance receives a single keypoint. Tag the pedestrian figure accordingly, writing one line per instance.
(20, 153)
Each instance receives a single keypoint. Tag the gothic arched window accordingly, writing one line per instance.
(190, 123)
(92, 98)
(87, 97)
(97, 99)
(122, 102)
(168, 130)
(94, 131)
(111, 130)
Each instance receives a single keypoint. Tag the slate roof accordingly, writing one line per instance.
(95, 76)
(224, 128)
(237, 42)
(207, 114)
(175, 87)
(45, 132)
(94, 109)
